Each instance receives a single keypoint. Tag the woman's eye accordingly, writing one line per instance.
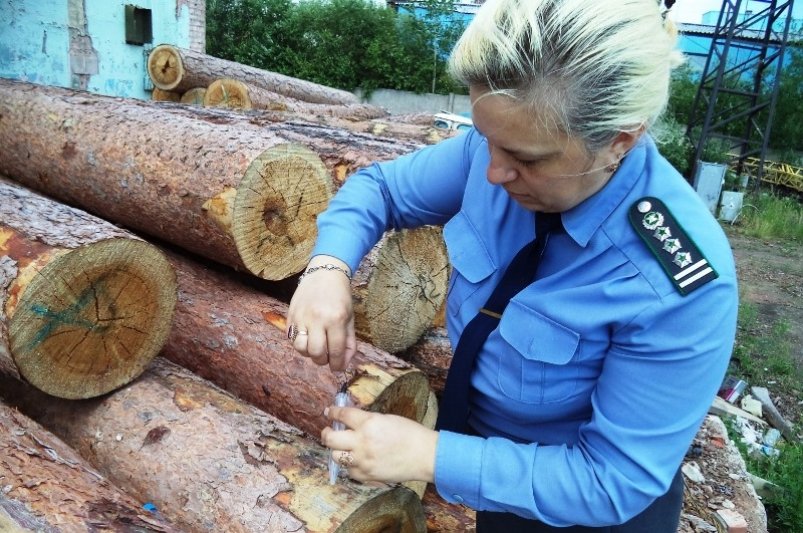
(529, 163)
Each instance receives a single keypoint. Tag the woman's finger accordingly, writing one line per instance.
(352, 417)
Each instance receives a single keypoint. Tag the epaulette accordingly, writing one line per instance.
(680, 258)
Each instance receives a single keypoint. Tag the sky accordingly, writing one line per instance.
(691, 11)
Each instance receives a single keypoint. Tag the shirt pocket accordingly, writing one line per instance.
(471, 263)
(534, 362)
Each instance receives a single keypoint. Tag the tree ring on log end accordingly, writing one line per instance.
(402, 299)
(165, 67)
(406, 396)
(277, 204)
(397, 510)
(228, 93)
(93, 318)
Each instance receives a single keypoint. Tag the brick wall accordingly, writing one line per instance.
(197, 9)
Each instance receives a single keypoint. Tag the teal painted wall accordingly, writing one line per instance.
(81, 43)
(34, 41)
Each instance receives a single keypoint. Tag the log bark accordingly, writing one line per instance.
(390, 127)
(49, 487)
(432, 354)
(179, 69)
(194, 96)
(210, 462)
(235, 94)
(247, 197)
(240, 343)
(84, 305)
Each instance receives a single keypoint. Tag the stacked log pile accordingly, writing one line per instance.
(170, 436)
(211, 462)
(243, 194)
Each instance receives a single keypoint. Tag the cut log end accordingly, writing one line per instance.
(278, 199)
(400, 303)
(92, 319)
(228, 93)
(395, 510)
(158, 95)
(165, 67)
(194, 96)
(407, 396)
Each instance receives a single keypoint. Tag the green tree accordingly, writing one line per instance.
(346, 44)
(247, 31)
(787, 128)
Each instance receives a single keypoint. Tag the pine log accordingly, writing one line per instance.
(210, 462)
(240, 343)
(49, 487)
(158, 95)
(247, 197)
(235, 94)
(399, 287)
(432, 354)
(179, 69)
(84, 305)
(194, 96)
(391, 127)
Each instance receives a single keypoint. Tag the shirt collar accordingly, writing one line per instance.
(583, 220)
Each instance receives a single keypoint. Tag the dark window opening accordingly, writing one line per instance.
(138, 28)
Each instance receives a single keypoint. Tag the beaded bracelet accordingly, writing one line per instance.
(327, 266)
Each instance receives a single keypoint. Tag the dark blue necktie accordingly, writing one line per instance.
(453, 412)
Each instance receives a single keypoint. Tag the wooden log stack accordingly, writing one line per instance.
(179, 70)
(235, 94)
(210, 462)
(242, 189)
(243, 194)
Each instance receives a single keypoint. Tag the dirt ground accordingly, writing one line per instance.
(771, 279)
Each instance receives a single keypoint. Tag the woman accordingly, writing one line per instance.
(591, 378)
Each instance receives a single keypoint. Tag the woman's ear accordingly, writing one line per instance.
(625, 140)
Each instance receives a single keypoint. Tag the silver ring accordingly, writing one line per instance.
(293, 331)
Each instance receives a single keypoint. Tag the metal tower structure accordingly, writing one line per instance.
(735, 100)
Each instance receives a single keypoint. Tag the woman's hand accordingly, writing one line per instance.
(379, 447)
(321, 317)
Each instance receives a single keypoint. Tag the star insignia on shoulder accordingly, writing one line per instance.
(679, 256)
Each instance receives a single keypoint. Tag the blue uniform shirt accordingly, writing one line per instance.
(591, 389)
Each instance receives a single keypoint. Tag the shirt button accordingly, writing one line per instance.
(457, 498)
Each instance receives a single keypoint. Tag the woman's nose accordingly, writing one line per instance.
(500, 170)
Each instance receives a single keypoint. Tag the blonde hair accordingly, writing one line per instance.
(601, 66)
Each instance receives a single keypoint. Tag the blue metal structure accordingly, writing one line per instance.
(743, 47)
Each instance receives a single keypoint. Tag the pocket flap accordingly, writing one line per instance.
(467, 253)
(537, 337)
